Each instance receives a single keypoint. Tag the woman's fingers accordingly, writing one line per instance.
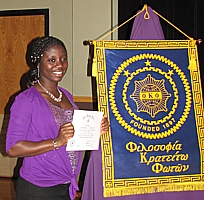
(66, 132)
(104, 125)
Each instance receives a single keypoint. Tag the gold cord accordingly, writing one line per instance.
(121, 25)
(146, 16)
(172, 25)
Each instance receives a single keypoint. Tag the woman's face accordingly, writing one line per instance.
(53, 64)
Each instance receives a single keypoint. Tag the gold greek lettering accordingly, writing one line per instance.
(131, 147)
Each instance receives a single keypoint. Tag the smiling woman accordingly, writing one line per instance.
(40, 126)
(43, 126)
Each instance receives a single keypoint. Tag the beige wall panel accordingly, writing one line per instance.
(91, 20)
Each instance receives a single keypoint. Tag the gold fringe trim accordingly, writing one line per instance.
(152, 189)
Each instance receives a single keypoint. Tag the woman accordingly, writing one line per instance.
(40, 127)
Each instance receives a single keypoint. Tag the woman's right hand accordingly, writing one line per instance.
(65, 133)
(25, 148)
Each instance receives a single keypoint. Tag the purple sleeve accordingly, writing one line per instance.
(19, 121)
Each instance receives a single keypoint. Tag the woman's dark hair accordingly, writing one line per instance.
(39, 46)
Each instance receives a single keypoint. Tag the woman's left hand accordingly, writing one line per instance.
(104, 125)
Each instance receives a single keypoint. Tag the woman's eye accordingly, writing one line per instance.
(51, 60)
(64, 59)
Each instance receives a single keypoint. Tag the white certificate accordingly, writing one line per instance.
(87, 130)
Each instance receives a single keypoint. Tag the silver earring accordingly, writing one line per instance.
(38, 72)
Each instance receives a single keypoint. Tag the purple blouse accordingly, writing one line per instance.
(31, 119)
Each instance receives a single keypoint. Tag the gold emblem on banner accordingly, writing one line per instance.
(150, 96)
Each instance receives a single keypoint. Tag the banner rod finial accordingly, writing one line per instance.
(87, 42)
(199, 41)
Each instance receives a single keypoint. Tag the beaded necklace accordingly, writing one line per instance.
(59, 99)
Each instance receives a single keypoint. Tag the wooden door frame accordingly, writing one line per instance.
(28, 12)
(16, 163)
